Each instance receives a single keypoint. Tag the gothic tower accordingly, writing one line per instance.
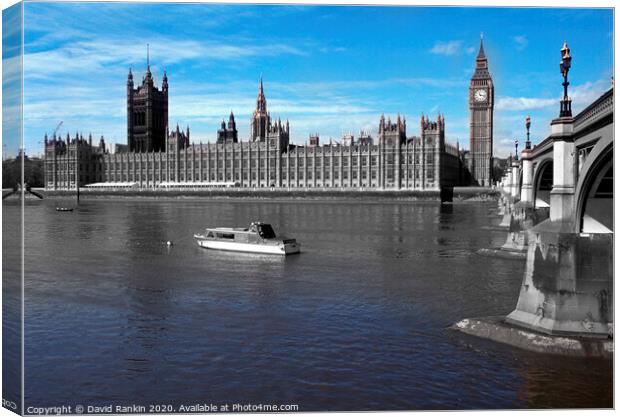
(260, 119)
(392, 134)
(481, 98)
(228, 134)
(147, 113)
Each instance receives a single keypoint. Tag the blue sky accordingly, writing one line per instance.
(11, 81)
(328, 69)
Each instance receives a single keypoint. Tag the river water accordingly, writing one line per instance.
(358, 321)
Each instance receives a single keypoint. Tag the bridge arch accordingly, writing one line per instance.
(543, 183)
(594, 208)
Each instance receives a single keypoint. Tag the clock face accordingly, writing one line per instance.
(480, 95)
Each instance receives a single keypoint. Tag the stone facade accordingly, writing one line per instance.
(268, 159)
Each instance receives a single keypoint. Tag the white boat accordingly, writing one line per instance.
(258, 238)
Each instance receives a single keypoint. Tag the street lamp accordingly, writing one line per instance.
(528, 123)
(565, 103)
(516, 147)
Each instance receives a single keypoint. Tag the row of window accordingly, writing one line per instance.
(122, 169)
(212, 176)
(229, 163)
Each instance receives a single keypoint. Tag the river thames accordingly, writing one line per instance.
(358, 321)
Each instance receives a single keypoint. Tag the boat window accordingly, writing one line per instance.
(226, 235)
(266, 232)
(210, 234)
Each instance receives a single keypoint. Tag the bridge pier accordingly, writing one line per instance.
(507, 216)
(514, 190)
(567, 287)
(506, 198)
(523, 215)
(516, 241)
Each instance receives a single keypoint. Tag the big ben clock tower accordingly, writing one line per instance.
(481, 97)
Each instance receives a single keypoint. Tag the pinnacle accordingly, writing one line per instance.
(481, 54)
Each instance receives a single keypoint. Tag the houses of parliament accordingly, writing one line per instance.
(156, 156)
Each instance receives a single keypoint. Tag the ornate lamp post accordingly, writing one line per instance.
(565, 103)
(528, 123)
(516, 147)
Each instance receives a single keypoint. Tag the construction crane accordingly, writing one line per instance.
(57, 127)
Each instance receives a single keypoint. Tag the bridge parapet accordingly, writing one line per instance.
(599, 109)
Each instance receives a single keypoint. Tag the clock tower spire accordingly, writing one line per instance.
(481, 101)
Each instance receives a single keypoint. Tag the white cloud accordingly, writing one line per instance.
(447, 48)
(330, 49)
(581, 96)
(520, 41)
(451, 48)
(95, 56)
(524, 103)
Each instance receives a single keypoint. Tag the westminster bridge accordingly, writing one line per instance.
(557, 203)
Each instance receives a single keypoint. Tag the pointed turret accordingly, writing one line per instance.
(232, 125)
(148, 78)
(261, 122)
(482, 64)
(481, 54)
(148, 63)
(261, 102)
(164, 82)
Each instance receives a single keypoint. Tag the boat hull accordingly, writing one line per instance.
(273, 249)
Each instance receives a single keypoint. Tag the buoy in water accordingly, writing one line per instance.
(168, 243)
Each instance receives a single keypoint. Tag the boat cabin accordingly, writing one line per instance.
(255, 233)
